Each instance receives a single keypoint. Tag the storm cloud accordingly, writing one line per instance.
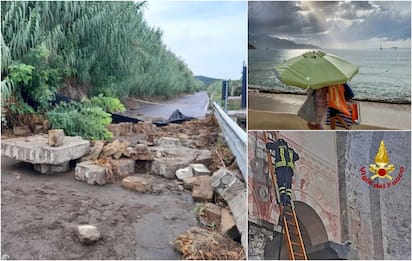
(321, 22)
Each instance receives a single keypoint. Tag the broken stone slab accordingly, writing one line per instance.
(49, 169)
(228, 224)
(199, 169)
(88, 234)
(97, 149)
(120, 149)
(167, 167)
(226, 184)
(202, 190)
(91, 173)
(183, 173)
(189, 182)
(233, 191)
(35, 149)
(212, 214)
(138, 183)
(123, 167)
(56, 137)
(22, 130)
(200, 244)
(170, 159)
(111, 148)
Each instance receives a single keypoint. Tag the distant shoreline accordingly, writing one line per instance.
(264, 89)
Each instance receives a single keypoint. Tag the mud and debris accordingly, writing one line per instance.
(143, 211)
(199, 243)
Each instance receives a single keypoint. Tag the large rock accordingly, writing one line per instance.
(88, 234)
(170, 159)
(91, 173)
(138, 183)
(123, 167)
(97, 149)
(56, 137)
(35, 149)
(167, 167)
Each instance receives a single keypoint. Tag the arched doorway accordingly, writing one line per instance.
(312, 228)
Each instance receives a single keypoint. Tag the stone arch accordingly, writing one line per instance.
(312, 228)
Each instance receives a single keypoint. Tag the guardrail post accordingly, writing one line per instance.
(226, 94)
(244, 87)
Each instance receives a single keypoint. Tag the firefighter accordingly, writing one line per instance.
(284, 163)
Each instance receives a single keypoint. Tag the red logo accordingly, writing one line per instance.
(381, 169)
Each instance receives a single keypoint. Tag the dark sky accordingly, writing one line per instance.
(334, 24)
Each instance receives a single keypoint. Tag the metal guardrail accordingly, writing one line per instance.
(235, 137)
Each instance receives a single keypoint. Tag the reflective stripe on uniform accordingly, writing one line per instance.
(282, 160)
(289, 192)
(291, 164)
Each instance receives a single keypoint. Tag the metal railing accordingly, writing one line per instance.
(235, 137)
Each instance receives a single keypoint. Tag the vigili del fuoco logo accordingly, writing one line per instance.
(382, 170)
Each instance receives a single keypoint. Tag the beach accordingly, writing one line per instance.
(272, 111)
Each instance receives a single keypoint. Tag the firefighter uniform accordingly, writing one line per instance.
(285, 159)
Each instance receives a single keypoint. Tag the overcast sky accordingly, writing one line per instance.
(211, 37)
(359, 24)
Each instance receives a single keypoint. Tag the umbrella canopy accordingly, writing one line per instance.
(316, 70)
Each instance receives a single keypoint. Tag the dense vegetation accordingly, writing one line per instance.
(71, 117)
(107, 46)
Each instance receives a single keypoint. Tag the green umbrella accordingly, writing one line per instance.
(316, 70)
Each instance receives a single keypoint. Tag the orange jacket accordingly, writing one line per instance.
(337, 100)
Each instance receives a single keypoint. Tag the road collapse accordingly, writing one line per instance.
(191, 157)
(188, 153)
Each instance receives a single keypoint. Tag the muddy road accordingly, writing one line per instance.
(39, 213)
(194, 105)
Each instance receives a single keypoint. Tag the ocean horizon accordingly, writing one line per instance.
(384, 75)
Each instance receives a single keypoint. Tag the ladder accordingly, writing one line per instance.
(293, 236)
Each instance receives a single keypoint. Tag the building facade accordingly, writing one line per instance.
(340, 215)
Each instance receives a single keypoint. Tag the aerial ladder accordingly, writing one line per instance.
(288, 219)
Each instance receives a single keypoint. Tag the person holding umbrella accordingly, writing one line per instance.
(320, 107)
(315, 71)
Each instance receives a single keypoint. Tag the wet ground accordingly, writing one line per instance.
(39, 214)
(194, 105)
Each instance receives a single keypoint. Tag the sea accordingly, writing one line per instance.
(384, 75)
